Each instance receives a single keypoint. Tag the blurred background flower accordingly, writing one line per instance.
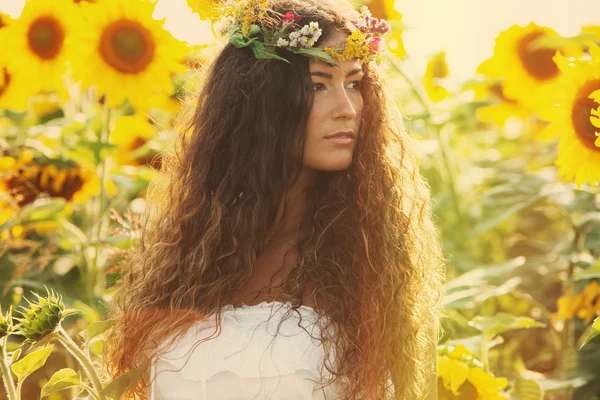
(503, 97)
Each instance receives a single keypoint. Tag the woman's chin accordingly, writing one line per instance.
(339, 166)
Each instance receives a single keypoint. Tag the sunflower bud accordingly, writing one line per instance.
(42, 317)
(6, 323)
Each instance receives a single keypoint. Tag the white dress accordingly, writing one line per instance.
(249, 359)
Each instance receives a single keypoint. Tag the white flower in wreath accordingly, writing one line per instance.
(281, 42)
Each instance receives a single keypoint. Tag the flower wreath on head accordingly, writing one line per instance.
(251, 23)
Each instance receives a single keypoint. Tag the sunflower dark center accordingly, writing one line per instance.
(127, 46)
(46, 37)
(580, 114)
(537, 62)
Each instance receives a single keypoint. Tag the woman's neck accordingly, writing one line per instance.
(290, 219)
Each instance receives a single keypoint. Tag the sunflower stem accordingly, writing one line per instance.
(484, 354)
(90, 391)
(83, 359)
(95, 272)
(445, 150)
(9, 382)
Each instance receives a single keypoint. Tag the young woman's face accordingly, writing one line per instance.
(337, 107)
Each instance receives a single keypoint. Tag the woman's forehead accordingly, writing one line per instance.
(347, 65)
(337, 39)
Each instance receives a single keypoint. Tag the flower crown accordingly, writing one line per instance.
(249, 23)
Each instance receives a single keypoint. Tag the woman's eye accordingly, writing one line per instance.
(316, 86)
(320, 86)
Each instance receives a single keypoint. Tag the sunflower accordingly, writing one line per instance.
(569, 117)
(585, 305)
(437, 68)
(25, 178)
(132, 135)
(39, 46)
(127, 53)
(529, 72)
(501, 108)
(460, 376)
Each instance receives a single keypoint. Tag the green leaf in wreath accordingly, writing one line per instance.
(503, 322)
(62, 379)
(593, 333)
(237, 37)
(254, 30)
(122, 383)
(31, 362)
(316, 52)
(259, 50)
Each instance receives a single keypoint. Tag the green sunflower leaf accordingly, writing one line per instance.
(62, 379)
(503, 322)
(526, 389)
(122, 383)
(31, 362)
(595, 331)
(98, 328)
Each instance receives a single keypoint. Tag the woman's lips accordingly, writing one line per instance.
(340, 139)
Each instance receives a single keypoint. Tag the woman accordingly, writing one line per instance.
(262, 210)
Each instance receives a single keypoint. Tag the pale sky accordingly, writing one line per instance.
(464, 28)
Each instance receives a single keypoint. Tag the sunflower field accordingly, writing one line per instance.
(91, 93)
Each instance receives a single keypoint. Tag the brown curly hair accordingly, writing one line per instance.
(368, 241)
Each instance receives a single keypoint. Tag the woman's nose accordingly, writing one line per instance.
(343, 106)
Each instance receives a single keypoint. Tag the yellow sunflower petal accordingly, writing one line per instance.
(15, 91)
(453, 372)
(488, 386)
(395, 44)
(593, 49)
(499, 113)
(594, 30)
(207, 9)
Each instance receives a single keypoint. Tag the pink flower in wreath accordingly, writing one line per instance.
(374, 43)
(289, 16)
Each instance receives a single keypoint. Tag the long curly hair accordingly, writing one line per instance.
(368, 241)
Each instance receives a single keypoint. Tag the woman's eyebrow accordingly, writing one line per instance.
(329, 76)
